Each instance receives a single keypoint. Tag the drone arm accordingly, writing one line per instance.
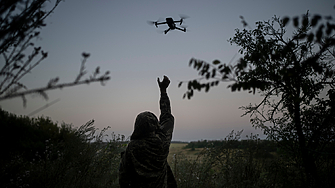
(160, 23)
(167, 30)
(180, 21)
(181, 29)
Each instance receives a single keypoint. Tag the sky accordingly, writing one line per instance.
(118, 38)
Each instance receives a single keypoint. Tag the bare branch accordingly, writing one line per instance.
(57, 86)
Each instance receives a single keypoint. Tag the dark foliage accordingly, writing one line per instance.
(266, 145)
(39, 153)
(291, 74)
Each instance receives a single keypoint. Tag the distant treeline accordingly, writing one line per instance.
(179, 142)
(266, 145)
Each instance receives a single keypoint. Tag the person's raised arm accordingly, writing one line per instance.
(166, 119)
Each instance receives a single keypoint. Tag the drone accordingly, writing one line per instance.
(171, 23)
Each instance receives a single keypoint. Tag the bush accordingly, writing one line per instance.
(45, 155)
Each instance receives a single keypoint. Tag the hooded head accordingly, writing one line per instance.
(146, 124)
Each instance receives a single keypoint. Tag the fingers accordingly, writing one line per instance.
(159, 82)
(166, 78)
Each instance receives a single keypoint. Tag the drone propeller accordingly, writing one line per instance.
(154, 22)
(182, 17)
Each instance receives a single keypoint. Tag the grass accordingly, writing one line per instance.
(178, 149)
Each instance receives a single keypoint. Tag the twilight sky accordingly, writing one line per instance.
(116, 34)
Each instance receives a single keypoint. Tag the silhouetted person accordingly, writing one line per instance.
(144, 163)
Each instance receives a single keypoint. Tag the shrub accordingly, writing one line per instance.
(51, 156)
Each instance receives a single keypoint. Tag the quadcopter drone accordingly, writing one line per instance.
(171, 23)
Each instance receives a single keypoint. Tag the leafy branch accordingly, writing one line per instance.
(213, 73)
(264, 49)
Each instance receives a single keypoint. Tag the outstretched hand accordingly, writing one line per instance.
(163, 84)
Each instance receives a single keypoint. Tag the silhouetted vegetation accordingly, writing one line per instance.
(233, 162)
(21, 22)
(39, 153)
(266, 145)
(291, 73)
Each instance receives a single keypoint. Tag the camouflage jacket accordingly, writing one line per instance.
(144, 163)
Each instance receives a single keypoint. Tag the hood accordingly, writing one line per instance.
(146, 124)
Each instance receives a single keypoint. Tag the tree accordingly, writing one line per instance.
(20, 23)
(290, 73)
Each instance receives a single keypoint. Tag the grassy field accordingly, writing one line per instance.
(178, 148)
